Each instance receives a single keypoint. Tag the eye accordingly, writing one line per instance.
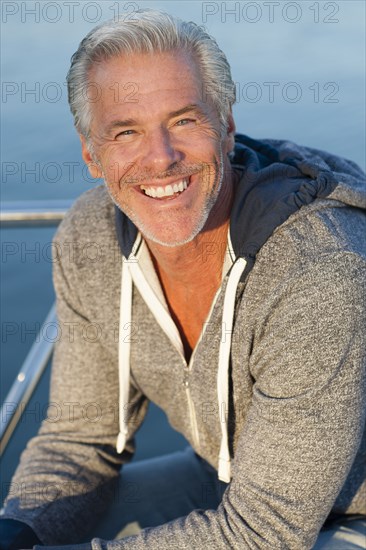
(185, 121)
(125, 133)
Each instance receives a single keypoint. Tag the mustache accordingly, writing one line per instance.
(179, 171)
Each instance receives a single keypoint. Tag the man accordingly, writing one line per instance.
(238, 294)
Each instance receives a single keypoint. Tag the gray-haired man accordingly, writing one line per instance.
(238, 294)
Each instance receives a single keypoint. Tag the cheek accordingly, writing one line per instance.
(200, 142)
(116, 167)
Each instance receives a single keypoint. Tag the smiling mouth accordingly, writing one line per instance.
(171, 190)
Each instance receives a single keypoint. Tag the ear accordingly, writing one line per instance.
(230, 134)
(93, 167)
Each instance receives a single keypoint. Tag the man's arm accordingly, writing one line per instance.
(67, 474)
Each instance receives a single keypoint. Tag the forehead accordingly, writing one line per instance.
(146, 80)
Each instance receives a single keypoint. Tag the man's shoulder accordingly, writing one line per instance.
(90, 217)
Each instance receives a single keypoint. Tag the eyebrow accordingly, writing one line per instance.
(193, 107)
(121, 123)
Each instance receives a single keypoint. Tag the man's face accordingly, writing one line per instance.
(158, 143)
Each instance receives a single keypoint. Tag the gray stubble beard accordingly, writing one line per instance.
(209, 204)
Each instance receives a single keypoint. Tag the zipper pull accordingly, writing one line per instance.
(186, 378)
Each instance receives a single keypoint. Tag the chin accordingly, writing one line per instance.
(169, 243)
(166, 240)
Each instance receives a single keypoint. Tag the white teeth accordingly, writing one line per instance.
(166, 191)
(169, 190)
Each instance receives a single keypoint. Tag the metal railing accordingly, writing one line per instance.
(35, 213)
(26, 382)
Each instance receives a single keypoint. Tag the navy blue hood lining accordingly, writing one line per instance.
(126, 232)
(272, 188)
(278, 178)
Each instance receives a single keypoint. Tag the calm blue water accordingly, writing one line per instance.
(299, 68)
(301, 80)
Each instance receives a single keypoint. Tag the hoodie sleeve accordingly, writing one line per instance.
(304, 426)
(67, 474)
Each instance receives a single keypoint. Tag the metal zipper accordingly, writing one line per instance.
(187, 370)
(191, 409)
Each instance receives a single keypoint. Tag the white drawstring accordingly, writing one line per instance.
(124, 346)
(224, 472)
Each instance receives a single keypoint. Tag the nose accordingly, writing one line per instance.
(160, 153)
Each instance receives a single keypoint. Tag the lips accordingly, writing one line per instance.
(169, 190)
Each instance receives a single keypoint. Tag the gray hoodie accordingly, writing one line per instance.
(274, 394)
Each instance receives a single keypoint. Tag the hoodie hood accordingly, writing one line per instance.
(278, 178)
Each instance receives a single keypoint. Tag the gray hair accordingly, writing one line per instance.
(148, 31)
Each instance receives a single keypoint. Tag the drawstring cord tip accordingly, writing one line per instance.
(121, 442)
(224, 473)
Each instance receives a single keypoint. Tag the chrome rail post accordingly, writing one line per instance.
(26, 382)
